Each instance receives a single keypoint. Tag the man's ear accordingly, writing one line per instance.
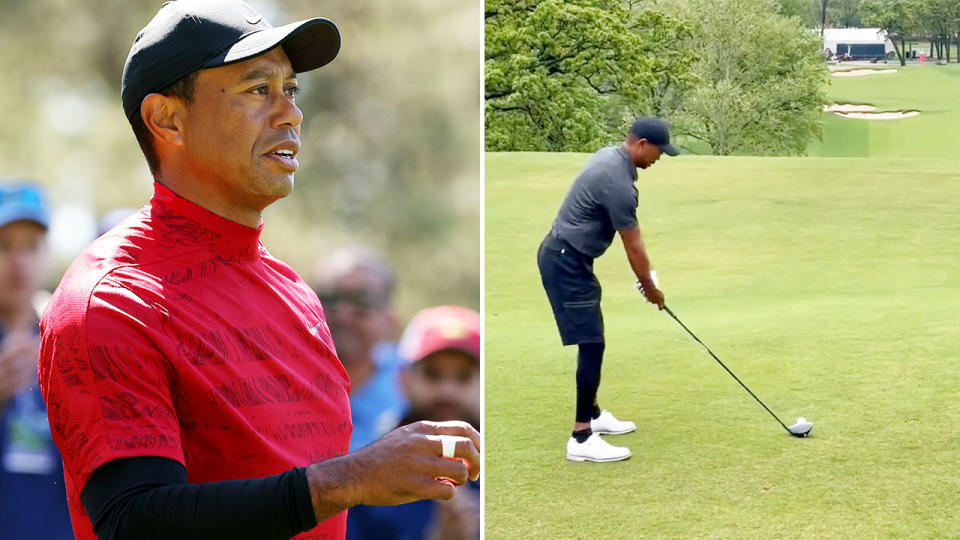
(163, 116)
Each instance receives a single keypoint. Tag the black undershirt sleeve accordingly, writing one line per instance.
(149, 497)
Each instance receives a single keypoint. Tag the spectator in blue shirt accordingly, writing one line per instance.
(356, 288)
(33, 503)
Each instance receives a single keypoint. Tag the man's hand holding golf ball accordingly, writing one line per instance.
(423, 460)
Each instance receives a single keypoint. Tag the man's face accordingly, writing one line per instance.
(23, 263)
(241, 131)
(444, 386)
(358, 310)
(644, 153)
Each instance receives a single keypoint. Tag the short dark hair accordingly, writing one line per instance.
(181, 88)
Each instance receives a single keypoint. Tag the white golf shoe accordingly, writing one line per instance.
(608, 425)
(595, 449)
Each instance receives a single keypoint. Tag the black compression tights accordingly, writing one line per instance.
(589, 360)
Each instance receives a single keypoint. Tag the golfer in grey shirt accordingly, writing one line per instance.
(602, 201)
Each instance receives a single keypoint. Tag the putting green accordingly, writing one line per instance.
(829, 286)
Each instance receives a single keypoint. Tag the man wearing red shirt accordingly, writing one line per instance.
(192, 385)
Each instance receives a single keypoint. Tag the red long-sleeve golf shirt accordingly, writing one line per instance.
(178, 335)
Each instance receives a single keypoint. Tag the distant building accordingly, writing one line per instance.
(856, 43)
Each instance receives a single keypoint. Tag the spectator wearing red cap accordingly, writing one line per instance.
(441, 346)
(442, 381)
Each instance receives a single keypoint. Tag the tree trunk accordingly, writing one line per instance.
(823, 17)
(901, 54)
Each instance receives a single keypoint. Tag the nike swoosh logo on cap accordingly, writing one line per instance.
(250, 15)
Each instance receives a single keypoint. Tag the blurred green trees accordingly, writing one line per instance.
(392, 134)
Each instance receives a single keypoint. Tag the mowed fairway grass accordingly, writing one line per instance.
(932, 89)
(830, 286)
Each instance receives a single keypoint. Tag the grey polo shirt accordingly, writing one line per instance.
(601, 201)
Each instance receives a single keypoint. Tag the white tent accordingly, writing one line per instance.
(858, 42)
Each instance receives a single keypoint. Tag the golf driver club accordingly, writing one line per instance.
(800, 429)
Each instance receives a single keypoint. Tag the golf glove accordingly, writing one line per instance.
(653, 295)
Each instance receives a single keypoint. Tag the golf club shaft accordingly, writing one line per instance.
(704, 345)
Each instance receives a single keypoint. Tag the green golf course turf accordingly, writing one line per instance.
(932, 89)
(828, 285)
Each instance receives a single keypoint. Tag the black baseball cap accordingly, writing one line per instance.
(656, 131)
(187, 35)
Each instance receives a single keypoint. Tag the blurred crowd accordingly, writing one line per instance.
(429, 370)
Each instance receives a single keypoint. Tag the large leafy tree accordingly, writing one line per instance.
(815, 13)
(761, 76)
(568, 75)
(895, 17)
(844, 13)
(732, 76)
(939, 21)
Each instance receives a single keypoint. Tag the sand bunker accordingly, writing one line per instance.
(862, 72)
(848, 107)
(866, 112)
(878, 116)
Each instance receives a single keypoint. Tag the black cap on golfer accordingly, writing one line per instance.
(187, 35)
(656, 132)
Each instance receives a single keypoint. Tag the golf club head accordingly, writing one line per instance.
(801, 428)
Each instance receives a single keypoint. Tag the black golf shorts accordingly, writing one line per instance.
(573, 290)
